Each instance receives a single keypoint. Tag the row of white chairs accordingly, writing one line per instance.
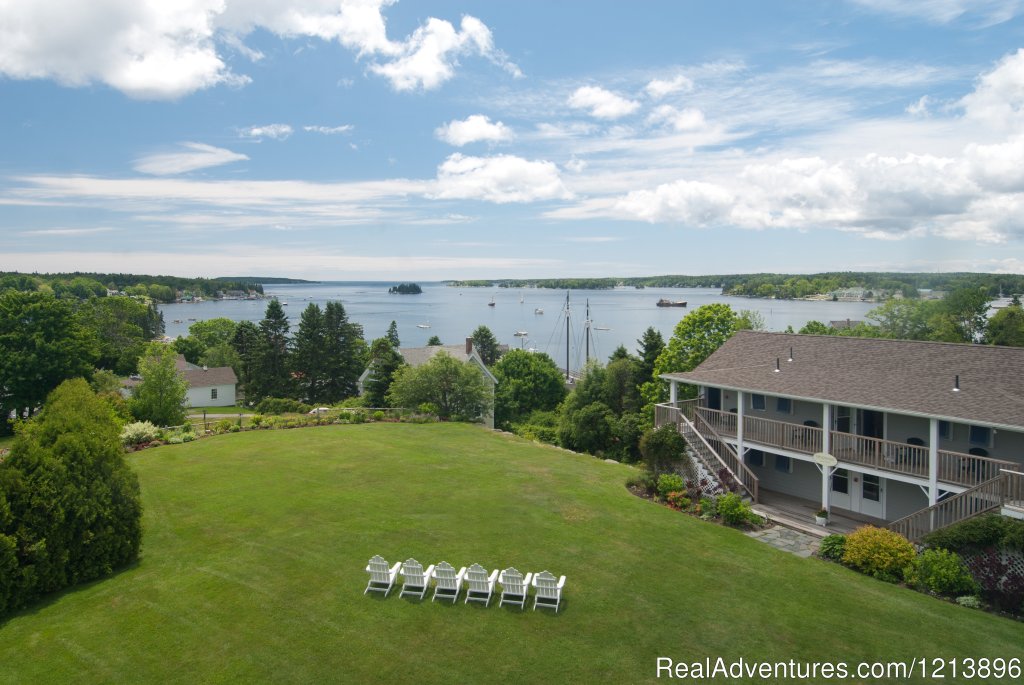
(479, 583)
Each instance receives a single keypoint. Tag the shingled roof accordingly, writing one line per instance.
(903, 376)
(204, 378)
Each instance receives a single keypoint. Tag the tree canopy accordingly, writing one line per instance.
(160, 395)
(452, 389)
(485, 344)
(526, 382)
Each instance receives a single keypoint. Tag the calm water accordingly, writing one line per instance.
(453, 313)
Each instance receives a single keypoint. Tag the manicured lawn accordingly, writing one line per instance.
(252, 571)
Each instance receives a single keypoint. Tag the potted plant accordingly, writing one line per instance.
(821, 518)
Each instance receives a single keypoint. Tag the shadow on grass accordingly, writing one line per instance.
(52, 598)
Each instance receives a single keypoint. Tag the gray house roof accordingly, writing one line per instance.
(221, 375)
(902, 376)
(417, 356)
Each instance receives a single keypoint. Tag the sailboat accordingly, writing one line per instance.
(423, 325)
(521, 299)
(491, 303)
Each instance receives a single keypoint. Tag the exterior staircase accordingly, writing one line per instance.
(717, 457)
(1003, 494)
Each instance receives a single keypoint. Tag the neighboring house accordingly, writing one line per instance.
(208, 387)
(844, 324)
(913, 426)
(417, 356)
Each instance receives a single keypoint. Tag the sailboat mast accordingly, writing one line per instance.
(566, 335)
(586, 324)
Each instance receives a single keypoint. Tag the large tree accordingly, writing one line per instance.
(651, 344)
(454, 390)
(307, 355)
(72, 503)
(1006, 327)
(485, 344)
(695, 337)
(245, 342)
(345, 353)
(42, 342)
(269, 370)
(123, 326)
(526, 382)
(160, 395)
(385, 361)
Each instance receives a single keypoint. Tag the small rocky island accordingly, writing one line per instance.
(405, 289)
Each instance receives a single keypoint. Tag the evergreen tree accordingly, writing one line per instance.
(245, 342)
(160, 395)
(434, 341)
(384, 362)
(269, 374)
(485, 344)
(344, 352)
(392, 335)
(651, 344)
(69, 499)
(308, 358)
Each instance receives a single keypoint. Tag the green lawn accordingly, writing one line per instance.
(255, 544)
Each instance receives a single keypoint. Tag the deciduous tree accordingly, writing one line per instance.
(160, 395)
(526, 382)
(454, 390)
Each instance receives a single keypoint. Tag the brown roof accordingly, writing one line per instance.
(221, 375)
(418, 356)
(903, 376)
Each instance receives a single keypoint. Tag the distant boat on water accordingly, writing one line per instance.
(538, 310)
(671, 303)
(423, 325)
(491, 303)
(521, 334)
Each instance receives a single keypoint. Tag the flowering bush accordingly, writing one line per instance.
(670, 482)
(678, 500)
(138, 433)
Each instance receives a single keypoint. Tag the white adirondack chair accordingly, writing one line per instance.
(514, 587)
(415, 579)
(382, 576)
(447, 583)
(549, 591)
(480, 585)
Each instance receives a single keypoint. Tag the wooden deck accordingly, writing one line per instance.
(798, 513)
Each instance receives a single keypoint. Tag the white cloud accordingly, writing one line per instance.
(500, 179)
(155, 49)
(475, 128)
(576, 165)
(272, 131)
(919, 108)
(68, 231)
(601, 103)
(659, 88)
(684, 120)
(690, 202)
(198, 156)
(998, 99)
(329, 130)
(998, 167)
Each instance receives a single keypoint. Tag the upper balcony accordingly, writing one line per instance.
(957, 468)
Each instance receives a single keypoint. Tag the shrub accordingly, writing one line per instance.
(234, 428)
(878, 552)
(281, 405)
(175, 440)
(256, 420)
(669, 482)
(708, 508)
(832, 547)
(223, 426)
(735, 511)
(188, 437)
(378, 415)
(978, 533)
(942, 572)
(678, 500)
(642, 481)
(662, 448)
(139, 433)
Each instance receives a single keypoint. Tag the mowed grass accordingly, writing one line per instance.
(255, 547)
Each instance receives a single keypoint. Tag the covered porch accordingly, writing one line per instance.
(798, 513)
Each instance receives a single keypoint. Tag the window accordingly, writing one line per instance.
(945, 430)
(871, 488)
(979, 435)
(755, 458)
(783, 464)
(757, 402)
(841, 481)
(213, 393)
(783, 405)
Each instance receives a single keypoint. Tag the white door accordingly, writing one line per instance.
(868, 493)
(840, 495)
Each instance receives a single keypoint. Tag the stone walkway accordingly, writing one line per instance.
(788, 540)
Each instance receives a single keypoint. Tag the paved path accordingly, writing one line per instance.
(788, 540)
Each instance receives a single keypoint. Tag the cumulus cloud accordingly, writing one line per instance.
(682, 120)
(153, 49)
(473, 129)
(998, 99)
(659, 88)
(195, 156)
(601, 103)
(328, 130)
(500, 179)
(272, 131)
(692, 202)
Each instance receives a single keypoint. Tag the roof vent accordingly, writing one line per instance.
(777, 368)
(956, 383)
(790, 355)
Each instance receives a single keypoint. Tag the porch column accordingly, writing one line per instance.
(933, 461)
(826, 428)
(673, 391)
(740, 403)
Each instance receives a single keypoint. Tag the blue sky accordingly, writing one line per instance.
(364, 139)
